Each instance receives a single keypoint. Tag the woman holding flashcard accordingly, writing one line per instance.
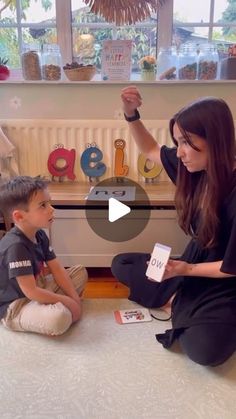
(201, 285)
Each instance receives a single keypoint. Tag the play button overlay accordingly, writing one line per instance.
(117, 209)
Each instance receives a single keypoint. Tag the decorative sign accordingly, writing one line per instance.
(68, 156)
(145, 171)
(15, 102)
(116, 60)
(120, 168)
(92, 155)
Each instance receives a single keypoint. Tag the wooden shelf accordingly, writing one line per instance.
(75, 193)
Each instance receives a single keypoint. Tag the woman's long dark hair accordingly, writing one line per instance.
(203, 192)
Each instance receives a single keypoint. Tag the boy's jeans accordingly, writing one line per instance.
(24, 315)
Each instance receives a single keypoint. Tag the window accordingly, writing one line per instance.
(80, 33)
(210, 20)
(89, 30)
(21, 25)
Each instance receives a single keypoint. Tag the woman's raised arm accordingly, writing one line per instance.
(132, 100)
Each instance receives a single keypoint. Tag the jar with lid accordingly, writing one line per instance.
(31, 62)
(51, 62)
(167, 63)
(208, 62)
(188, 62)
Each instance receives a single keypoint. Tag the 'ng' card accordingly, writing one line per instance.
(158, 261)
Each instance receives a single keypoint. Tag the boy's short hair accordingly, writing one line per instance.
(18, 192)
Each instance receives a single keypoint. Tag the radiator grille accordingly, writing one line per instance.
(35, 139)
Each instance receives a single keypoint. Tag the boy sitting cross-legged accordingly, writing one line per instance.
(31, 301)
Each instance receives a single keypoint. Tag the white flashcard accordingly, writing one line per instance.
(158, 261)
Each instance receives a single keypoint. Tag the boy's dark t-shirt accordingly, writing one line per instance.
(20, 256)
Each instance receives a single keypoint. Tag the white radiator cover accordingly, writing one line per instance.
(35, 140)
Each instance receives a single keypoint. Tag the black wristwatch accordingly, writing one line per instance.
(135, 117)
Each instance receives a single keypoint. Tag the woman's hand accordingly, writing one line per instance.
(175, 268)
(131, 99)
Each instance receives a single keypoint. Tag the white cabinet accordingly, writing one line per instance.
(75, 242)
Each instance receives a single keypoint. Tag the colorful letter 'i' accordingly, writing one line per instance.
(120, 169)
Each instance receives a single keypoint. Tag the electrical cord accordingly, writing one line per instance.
(161, 320)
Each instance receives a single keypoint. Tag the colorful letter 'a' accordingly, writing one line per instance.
(62, 154)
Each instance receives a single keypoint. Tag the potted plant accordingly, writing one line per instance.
(148, 68)
(4, 70)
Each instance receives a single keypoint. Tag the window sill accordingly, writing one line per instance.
(113, 82)
(17, 78)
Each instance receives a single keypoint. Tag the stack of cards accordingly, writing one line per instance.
(158, 261)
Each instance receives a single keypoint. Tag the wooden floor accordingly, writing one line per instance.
(102, 284)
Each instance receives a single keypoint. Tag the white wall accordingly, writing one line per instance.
(102, 100)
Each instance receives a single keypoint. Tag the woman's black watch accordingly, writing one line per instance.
(135, 117)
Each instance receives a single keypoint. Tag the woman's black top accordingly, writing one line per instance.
(199, 299)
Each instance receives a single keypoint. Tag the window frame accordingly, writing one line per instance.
(165, 22)
(64, 27)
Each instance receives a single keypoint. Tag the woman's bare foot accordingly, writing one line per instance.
(167, 306)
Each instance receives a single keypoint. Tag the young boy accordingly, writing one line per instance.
(30, 302)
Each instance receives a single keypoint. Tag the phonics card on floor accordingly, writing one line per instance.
(132, 316)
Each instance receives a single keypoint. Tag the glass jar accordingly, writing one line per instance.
(188, 62)
(167, 64)
(31, 62)
(208, 62)
(85, 48)
(51, 62)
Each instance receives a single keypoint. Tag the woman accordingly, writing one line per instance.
(202, 284)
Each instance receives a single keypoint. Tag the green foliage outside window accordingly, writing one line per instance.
(9, 45)
(229, 15)
(144, 39)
